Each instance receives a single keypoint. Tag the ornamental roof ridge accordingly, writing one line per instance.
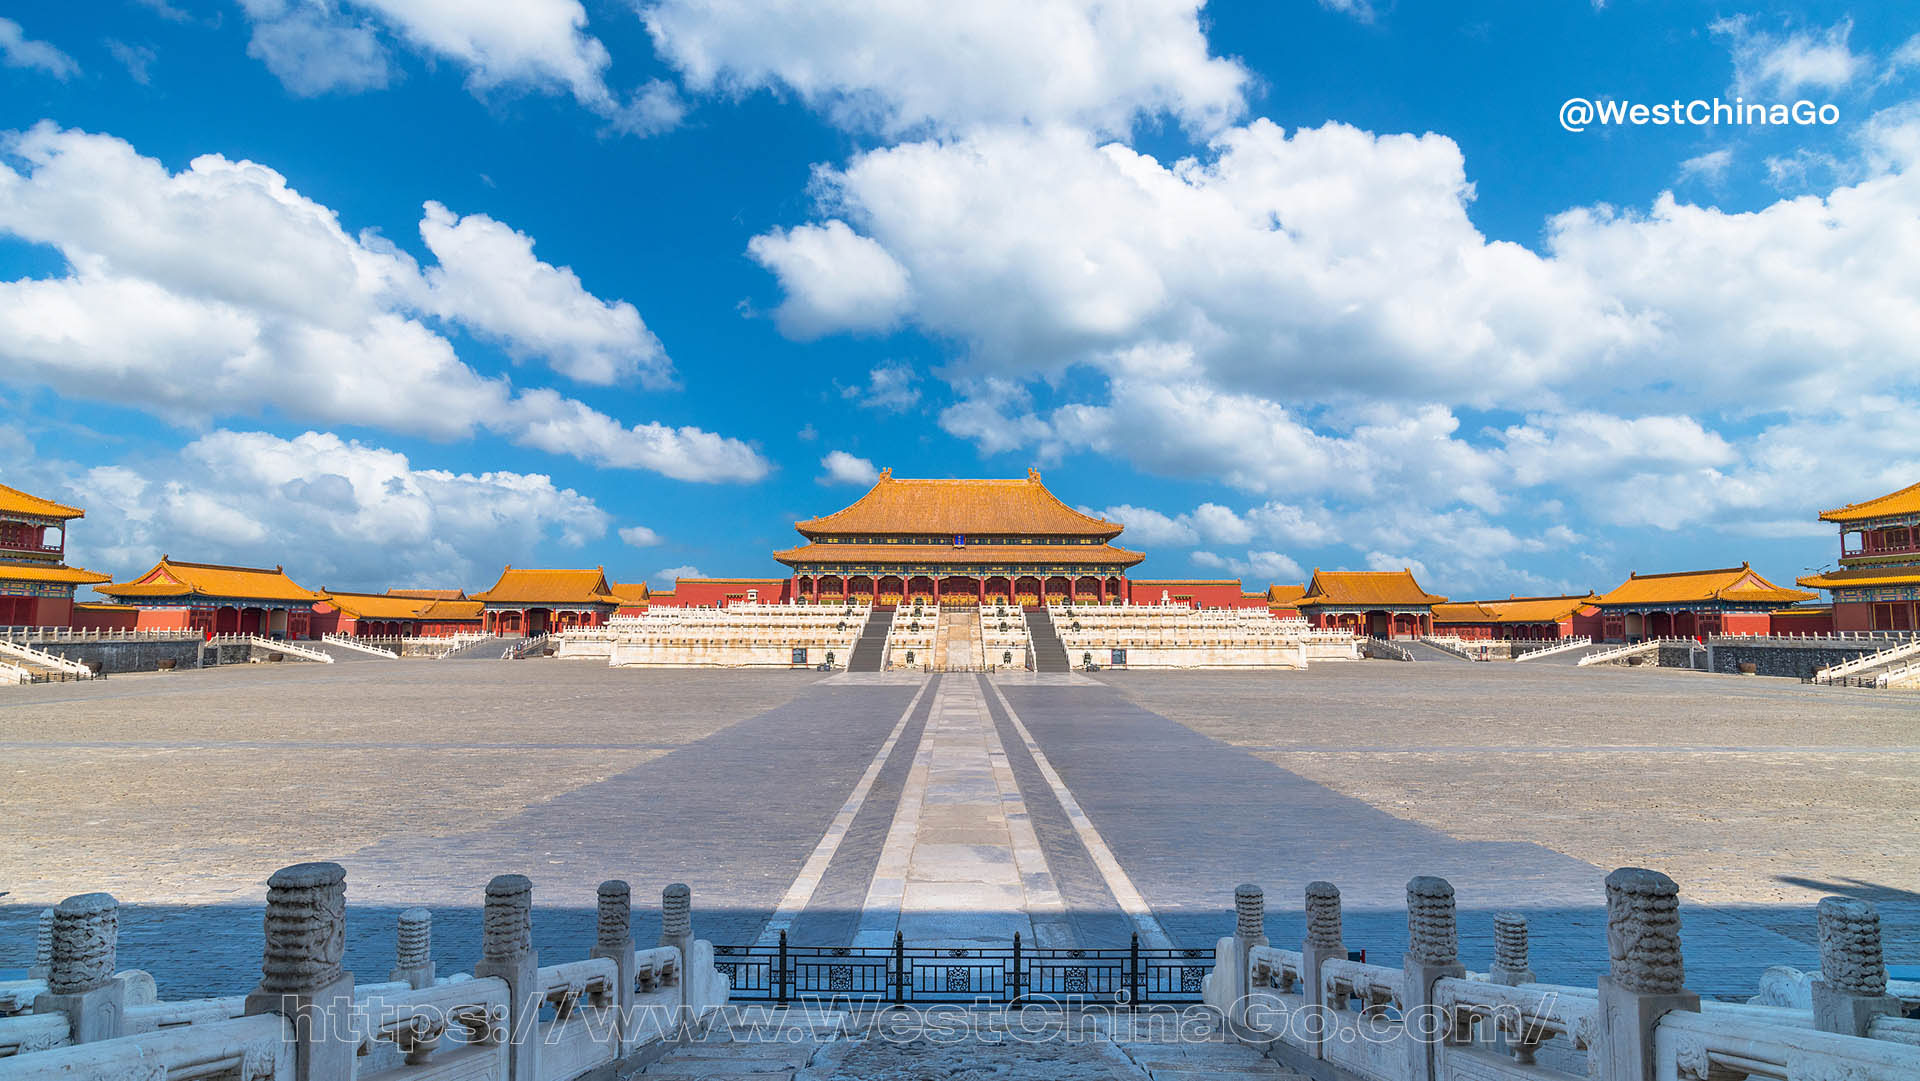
(962, 506)
(1903, 502)
(18, 502)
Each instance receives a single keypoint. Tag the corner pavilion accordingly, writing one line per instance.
(960, 542)
(1877, 587)
(36, 585)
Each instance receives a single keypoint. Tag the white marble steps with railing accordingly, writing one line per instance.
(39, 663)
(1381, 649)
(94, 634)
(1450, 646)
(525, 648)
(1430, 1017)
(1864, 665)
(347, 642)
(14, 674)
(607, 1015)
(271, 645)
(1616, 653)
(1564, 646)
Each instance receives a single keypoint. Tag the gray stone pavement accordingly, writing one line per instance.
(426, 779)
(832, 915)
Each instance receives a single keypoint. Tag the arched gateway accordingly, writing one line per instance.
(960, 541)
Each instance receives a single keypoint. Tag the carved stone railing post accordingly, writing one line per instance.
(80, 983)
(300, 974)
(1510, 950)
(1249, 930)
(676, 927)
(506, 952)
(614, 940)
(1323, 943)
(1852, 988)
(1646, 976)
(1433, 954)
(42, 947)
(413, 949)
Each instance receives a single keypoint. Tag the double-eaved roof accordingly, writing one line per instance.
(15, 501)
(1726, 585)
(550, 588)
(1355, 589)
(172, 578)
(900, 505)
(1898, 504)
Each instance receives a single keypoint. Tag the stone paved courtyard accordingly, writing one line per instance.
(1075, 810)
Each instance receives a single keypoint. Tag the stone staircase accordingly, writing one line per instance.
(779, 1044)
(39, 665)
(870, 649)
(957, 646)
(1427, 651)
(1049, 652)
(486, 649)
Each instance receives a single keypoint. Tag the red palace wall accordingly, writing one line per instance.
(720, 592)
(35, 611)
(87, 617)
(1815, 621)
(1200, 594)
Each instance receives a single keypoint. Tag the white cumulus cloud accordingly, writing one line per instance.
(834, 279)
(316, 46)
(219, 291)
(896, 66)
(844, 468)
(335, 512)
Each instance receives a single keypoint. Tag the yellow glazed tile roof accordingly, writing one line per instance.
(1904, 501)
(452, 611)
(15, 501)
(1367, 587)
(1539, 609)
(545, 587)
(966, 507)
(1464, 612)
(1740, 584)
(175, 578)
(982, 554)
(631, 592)
(1863, 576)
(430, 594)
(1285, 594)
(31, 572)
(376, 605)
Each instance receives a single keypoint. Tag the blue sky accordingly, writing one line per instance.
(393, 292)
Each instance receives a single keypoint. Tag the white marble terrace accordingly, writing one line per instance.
(512, 1018)
(737, 636)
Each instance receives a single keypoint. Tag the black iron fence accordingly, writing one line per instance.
(1132, 975)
